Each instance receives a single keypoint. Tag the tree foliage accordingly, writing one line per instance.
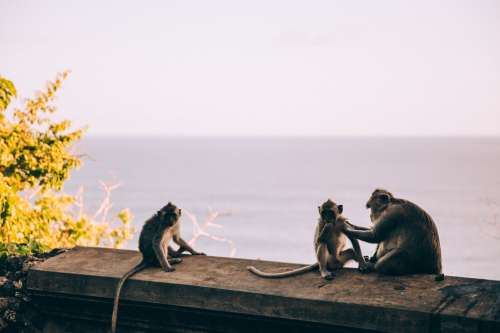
(36, 158)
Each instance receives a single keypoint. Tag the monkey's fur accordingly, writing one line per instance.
(329, 244)
(154, 245)
(408, 241)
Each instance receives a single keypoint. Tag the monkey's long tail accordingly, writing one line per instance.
(294, 272)
(134, 270)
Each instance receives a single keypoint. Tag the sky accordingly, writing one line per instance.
(284, 68)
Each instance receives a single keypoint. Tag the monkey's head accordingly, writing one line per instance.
(169, 214)
(379, 201)
(329, 211)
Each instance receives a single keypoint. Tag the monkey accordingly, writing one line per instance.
(329, 245)
(406, 236)
(154, 241)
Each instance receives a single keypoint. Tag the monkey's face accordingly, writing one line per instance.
(170, 214)
(378, 202)
(329, 211)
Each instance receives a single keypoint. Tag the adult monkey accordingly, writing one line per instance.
(156, 234)
(408, 241)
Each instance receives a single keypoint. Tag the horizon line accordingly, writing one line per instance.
(298, 136)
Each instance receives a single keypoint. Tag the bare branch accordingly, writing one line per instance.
(202, 230)
(106, 203)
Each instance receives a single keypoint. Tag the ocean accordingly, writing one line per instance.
(266, 190)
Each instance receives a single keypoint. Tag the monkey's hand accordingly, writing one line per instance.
(367, 267)
(169, 269)
(185, 247)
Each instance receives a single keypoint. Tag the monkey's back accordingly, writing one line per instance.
(149, 230)
(417, 234)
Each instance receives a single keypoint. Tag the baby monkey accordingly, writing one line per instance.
(154, 245)
(329, 245)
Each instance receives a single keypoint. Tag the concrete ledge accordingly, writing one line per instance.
(215, 294)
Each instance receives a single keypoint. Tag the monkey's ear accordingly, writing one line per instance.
(180, 212)
(384, 198)
(319, 209)
(340, 208)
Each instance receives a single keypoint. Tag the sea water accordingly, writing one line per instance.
(267, 190)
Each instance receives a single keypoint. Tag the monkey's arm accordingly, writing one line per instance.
(355, 227)
(365, 235)
(357, 250)
(325, 233)
(184, 246)
(378, 232)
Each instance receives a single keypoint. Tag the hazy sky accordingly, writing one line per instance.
(262, 67)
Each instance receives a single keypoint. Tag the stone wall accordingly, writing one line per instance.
(74, 291)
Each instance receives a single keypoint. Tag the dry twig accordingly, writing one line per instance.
(202, 230)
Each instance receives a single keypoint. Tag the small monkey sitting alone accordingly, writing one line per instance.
(154, 245)
(329, 245)
(407, 237)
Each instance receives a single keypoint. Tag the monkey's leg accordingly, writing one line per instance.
(358, 255)
(173, 255)
(176, 253)
(184, 246)
(323, 257)
(373, 259)
(395, 262)
(172, 260)
(345, 256)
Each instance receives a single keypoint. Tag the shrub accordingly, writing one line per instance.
(36, 158)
